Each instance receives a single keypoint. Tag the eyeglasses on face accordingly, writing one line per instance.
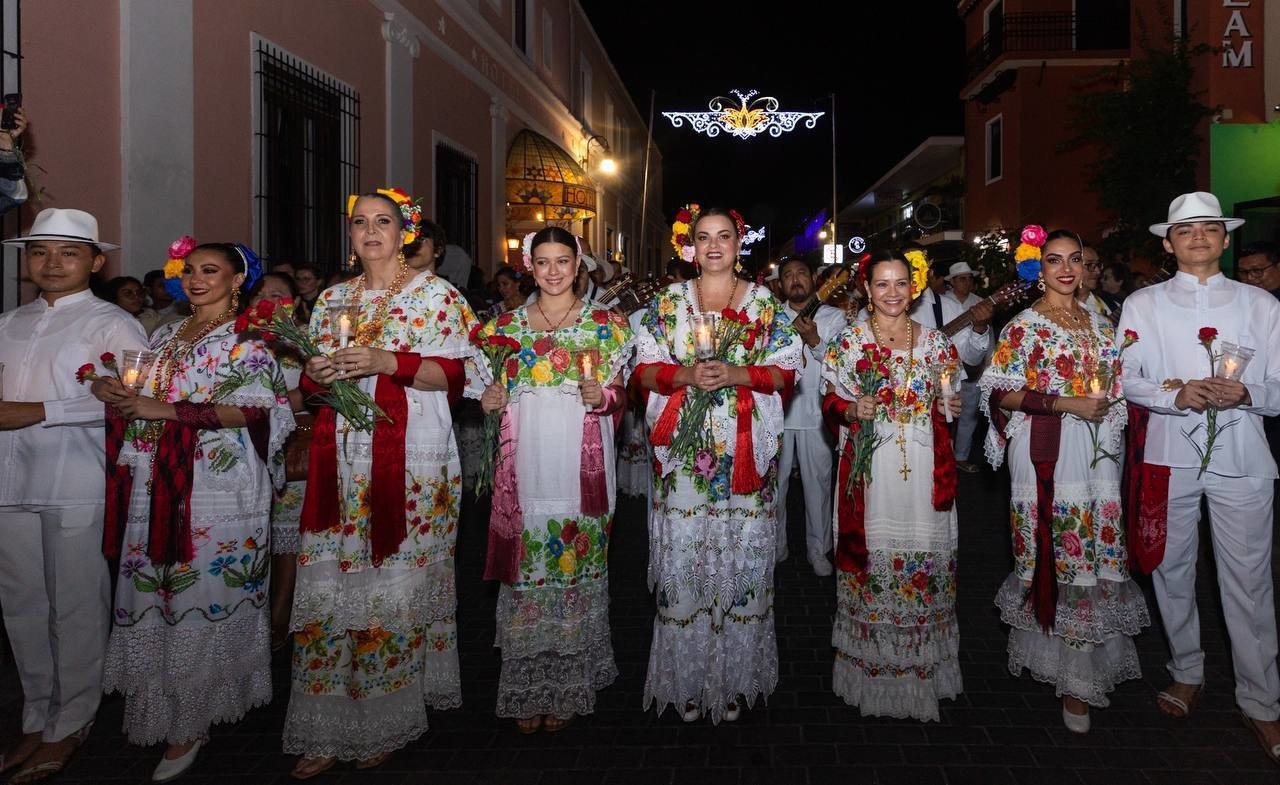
(1253, 272)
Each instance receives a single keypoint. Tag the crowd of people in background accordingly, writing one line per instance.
(276, 458)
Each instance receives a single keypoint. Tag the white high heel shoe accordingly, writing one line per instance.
(1076, 723)
(170, 769)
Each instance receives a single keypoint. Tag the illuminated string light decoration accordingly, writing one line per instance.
(752, 116)
(752, 237)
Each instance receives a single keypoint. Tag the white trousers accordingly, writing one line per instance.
(1240, 522)
(812, 450)
(55, 593)
(970, 396)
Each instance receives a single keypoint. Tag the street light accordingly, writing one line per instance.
(607, 164)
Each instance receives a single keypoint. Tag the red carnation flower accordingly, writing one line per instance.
(242, 323)
(1208, 334)
(684, 216)
(863, 365)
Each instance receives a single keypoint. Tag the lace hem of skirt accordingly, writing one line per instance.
(1084, 614)
(339, 727)
(1087, 673)
(179, 680)
(284, 538)
(710, 665)
(561, 684)
(886, 690)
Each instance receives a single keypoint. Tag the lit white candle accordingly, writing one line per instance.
(702, 340)
(1095, 388)
(1229, 367)
(587, 367)
(344, 330)
(945, 384)
(131, 377)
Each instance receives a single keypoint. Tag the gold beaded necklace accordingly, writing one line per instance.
(900, 392)
(167, 367)
(369, 331)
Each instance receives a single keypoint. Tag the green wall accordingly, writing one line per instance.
(1244, 164)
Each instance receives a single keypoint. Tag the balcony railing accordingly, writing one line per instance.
(1050, 32)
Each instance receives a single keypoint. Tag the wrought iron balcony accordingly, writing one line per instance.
(1050, 32)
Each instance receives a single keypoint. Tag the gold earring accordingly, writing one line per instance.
(400, 257)
(351, 260)
(235, 300)
(870, 308)
(1040, 283)
(737, 265)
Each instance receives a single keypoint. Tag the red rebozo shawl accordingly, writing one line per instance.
(1046, 436)
(387, 525)
(1145, 488)
(745, 478)
(169, 532)
(851, 507)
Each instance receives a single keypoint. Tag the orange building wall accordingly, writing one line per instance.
(75, 121)
(336, 36)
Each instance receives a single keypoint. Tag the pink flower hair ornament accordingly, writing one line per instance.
(526, 249)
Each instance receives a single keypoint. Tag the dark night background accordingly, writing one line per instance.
(896, 69)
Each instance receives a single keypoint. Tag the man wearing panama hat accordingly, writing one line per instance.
(53, 579)
(1204, 438)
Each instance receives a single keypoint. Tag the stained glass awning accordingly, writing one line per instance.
(544, 183)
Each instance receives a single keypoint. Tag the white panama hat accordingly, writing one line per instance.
(1194, 207)
(959, 268)
(72, 226)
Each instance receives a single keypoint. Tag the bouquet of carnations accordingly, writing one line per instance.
(693, 431)
(870, 373)
(276, 323)
(497, 350)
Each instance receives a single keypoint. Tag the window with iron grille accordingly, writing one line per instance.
(306, 159)
(457, 175)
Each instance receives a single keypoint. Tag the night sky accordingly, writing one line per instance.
(896, 68)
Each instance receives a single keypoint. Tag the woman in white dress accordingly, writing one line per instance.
(191, 641)
(711, 535)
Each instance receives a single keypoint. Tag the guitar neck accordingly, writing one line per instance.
(809, 309)
(963, 320)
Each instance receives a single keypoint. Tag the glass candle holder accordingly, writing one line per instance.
(135, 365)
(1233, 361)
(946, 381)
(343, 317)
(704, 335)
(588, 362)
(1, 381)
(1096, 387)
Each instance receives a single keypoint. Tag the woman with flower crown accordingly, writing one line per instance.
(192, 459)
(559, 391)
(896, 635)
(1049, 393)
(374, 609)
(715, 430)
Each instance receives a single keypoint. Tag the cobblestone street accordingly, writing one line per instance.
(1001, 730)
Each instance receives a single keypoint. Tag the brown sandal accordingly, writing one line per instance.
(375, 761)
(306, 768)
(1272, 751)
(553, 724)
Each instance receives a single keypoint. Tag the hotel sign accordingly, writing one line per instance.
(1237, 41)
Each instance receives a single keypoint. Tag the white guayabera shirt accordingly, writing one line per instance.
(1167, 318)
(59, 462)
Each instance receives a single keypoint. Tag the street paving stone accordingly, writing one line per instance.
(1002, 729)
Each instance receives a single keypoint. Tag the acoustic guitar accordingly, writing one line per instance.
(1010, 293)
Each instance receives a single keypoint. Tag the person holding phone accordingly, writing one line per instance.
(13, 172)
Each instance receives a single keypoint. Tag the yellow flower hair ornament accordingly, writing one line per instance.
(410, 210)
(919, 272)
